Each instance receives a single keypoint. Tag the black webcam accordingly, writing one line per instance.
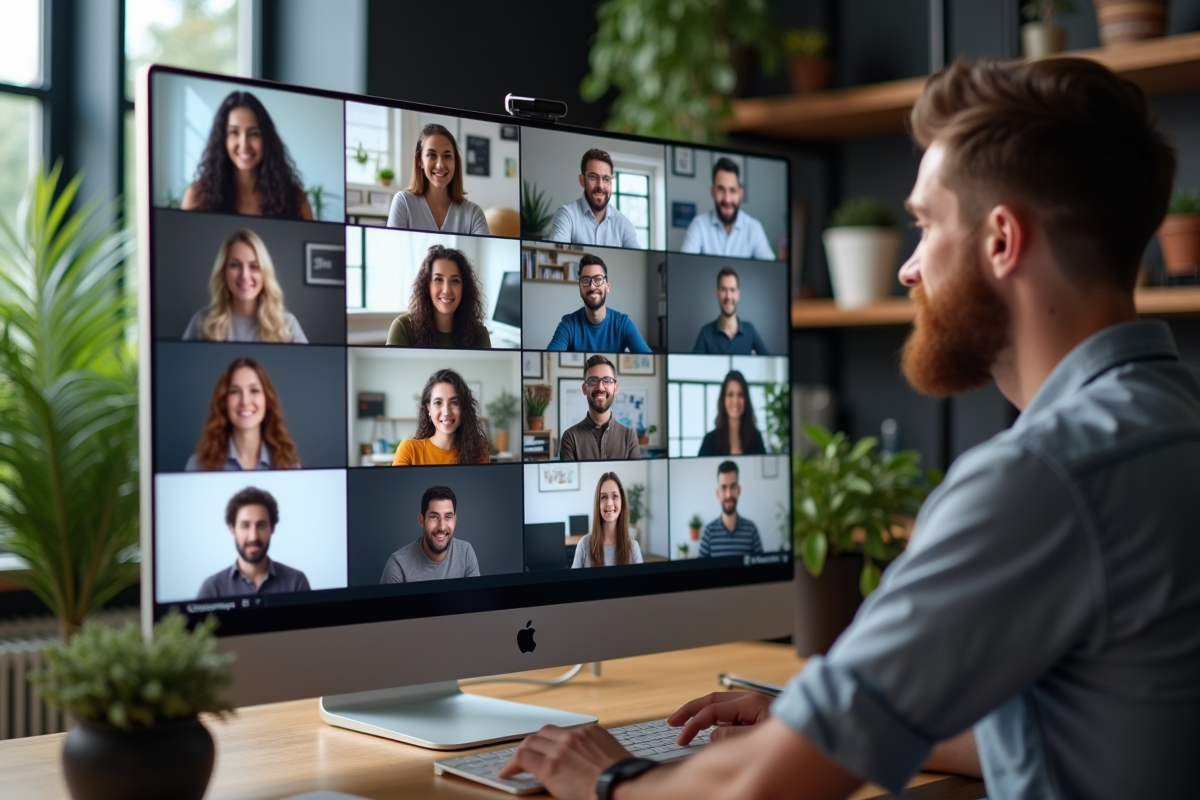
(534, 108)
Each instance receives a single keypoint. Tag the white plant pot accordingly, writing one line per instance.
(861, 263)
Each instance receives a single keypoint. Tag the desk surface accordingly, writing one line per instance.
(273, 751)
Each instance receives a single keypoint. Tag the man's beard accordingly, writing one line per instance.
(729, 506)
(957, 336)
(591, 201)
(600, 409)
(594, 305)
(727, 220)
(262, 554)
(431, 543)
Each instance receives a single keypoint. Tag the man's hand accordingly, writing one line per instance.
(567, 760)
(732, 712)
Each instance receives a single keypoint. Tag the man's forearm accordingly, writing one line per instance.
(957, 756)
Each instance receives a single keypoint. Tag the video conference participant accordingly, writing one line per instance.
(599, 437)
(245, 167)
(736, 432)
(247, 301)
(434, 199)
(251, 516)
(437, 555)
(730, 534)
(590, 219)
(595, 326)
(609, 544)
(448, 428)
(244, 428)
(726, 230)
(445, 306)
(729, 334)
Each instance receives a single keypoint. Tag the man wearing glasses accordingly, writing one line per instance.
(595, 327)
(589, 220)
(599, 437)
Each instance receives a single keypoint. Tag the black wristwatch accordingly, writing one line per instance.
(620, 772)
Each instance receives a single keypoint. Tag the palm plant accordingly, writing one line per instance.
(68, 402)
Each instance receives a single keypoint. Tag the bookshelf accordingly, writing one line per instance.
(549, 264)
(537, 445)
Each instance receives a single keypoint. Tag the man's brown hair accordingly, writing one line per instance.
(1065, 139)
(595, 154)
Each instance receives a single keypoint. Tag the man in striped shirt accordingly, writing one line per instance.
(729, 534)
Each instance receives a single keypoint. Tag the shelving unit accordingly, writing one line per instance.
(1169, 65)
(1158, 301)
(551, 265)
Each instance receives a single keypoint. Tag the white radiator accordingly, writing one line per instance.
(23, 641)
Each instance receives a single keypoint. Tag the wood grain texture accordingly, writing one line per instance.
(273, 751)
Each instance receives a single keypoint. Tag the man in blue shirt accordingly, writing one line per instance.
(590, 219)
(1043, 627)
(595, 327)
(727, 230)
(728, 334)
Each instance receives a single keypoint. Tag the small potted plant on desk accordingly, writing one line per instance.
(386, 176)
(694, 526)
(855, 505)
(502, 411)
(1179, 234)
(137, 735)
(644, 434)
(537, 398)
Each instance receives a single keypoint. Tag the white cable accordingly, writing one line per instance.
(559, 681)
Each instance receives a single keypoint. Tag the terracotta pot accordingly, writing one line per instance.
(825, 606)
(1124, 21)
(1179, 235)
(694, 534)
(1039, 41)
(643, 440)
(810, 74)
(536, 423)
(173, 759)
(502, 440)
(386, 181)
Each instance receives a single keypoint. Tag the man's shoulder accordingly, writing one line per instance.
(714, 526)
(461, 547)
(406, 553)
(746, 525)
(211, 587)
(751, 223)
(284, 571)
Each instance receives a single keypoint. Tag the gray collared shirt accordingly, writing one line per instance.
(232, 583)
(575, 223)
(412, 211)
(231, 460)
(706, 234)
(1050, 597)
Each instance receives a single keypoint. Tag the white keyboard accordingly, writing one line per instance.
(652, 740)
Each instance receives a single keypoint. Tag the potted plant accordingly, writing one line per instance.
(360, 155)
(386, 175)
(1179, 234)
(778, 413)
(535, 211)
(1040, 36)
(809, 68)
(644, 434)
(316, 196)
(1124, 21)
(682, 550)
(855, 506)
(537, 397)
(135, 704)
(694, 526)
(67, 375)
(503, 411)
(671, 62)
(861, 243)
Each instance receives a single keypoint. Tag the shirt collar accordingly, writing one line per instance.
(716, 326)
(586, 208)
(236, 574)
(592, 425)
(264, 455)
(1102, 351)
(715, 218)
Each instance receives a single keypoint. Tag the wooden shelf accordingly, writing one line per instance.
(563, 281)
(565, 251)
(1157, 301)
(1169, 65)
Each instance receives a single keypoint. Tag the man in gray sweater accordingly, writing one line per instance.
(599, 436)
(437, 554)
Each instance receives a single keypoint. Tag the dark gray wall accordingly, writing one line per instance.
(384, 504)
(186, 246)
(310, 381)
(692, 299)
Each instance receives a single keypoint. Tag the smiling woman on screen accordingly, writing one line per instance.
(609, 543)
(434, 199)
(736, 433)
(247, 301)
(245, 167)
(445, 306)
(244, 429)
(448, 428)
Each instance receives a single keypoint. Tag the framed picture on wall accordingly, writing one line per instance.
(572, 360)
(560, 477)
(508, 133)
(684, 162)
(324, 264)
(635, 364)
(479, 158)
(531, 364)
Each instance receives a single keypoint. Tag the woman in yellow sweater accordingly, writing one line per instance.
(448, 429)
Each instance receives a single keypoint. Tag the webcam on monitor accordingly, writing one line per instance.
(534, 108)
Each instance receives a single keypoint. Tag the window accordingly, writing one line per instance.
(22, 95)
(633, 200)
(197, 34)
(367, 142)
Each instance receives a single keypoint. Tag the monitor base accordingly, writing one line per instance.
(440, 716)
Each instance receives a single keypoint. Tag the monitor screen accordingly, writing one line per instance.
(334, 439)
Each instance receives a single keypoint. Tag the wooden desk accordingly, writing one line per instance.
(270, 752)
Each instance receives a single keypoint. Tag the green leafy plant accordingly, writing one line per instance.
(1044, 10)
(115, 675)
(360, 155)
(670, 61)
(68, 402)
(852, 498)
(535, 211)
(635, 493)
(805, 42)
(864, 212)
(695, 521)
(779, 416)
(317, 195)
(503, 410)
(537, 398)
(1184, 202)
(683, 549)
(386, 174)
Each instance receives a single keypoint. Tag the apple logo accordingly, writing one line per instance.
(525, 638)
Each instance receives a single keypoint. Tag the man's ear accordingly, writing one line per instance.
(421, 520)
(1006, 236)
(581, 183)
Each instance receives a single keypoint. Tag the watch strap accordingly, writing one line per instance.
(618, 773)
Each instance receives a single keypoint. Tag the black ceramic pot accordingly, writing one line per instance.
(825, 606)
(173, 759)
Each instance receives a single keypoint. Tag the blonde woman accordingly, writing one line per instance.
(609, 544)
(247, 302)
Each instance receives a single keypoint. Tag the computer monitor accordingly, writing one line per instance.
(508, 301)
(323, 412)
(578, 524)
